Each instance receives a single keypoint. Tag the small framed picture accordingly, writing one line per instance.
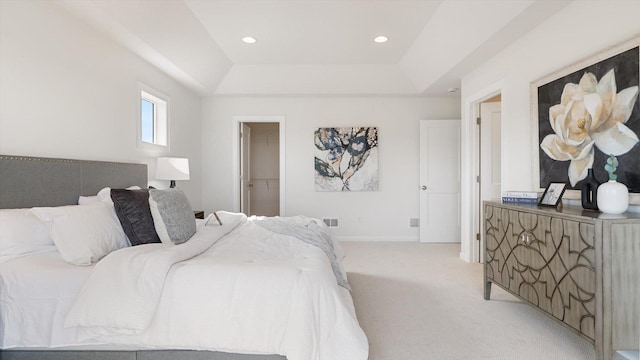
(552, 194)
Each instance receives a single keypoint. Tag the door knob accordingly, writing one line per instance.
(424, 187)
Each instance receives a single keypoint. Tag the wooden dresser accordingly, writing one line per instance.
(582, 268)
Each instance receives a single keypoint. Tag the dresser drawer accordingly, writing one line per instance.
(547, 261)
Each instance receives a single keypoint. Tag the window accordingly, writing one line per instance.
(153, 119)
(148, 115)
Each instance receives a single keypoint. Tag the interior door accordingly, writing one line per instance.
(245, 169)
(490, 160)
(491, 150)
(440, 181)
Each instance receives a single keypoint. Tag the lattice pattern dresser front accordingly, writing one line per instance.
(578, 267)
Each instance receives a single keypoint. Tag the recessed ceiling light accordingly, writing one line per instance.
(249, 39)
(453, 90)
(381, 39)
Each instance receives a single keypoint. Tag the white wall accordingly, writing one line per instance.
(557, 43)
(380, 215)
(68, 91)
(576, 32)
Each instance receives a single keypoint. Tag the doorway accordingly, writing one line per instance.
(258, 171)
(472, 239)
(489, 161)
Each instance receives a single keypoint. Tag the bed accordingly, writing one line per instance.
(236, 288)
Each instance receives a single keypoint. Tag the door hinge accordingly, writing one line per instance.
(478, 120)
(478, 178)
(478, 236)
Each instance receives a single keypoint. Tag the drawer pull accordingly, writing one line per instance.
(526, 238)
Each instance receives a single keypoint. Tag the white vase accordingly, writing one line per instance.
(613, 197)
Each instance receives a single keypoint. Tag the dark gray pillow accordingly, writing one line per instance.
(132, 208)
(172, 215)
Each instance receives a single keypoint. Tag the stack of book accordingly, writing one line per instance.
(520, 197)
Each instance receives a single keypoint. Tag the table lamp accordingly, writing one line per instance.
(171, 168)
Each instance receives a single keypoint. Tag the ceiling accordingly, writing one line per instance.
(316, 47)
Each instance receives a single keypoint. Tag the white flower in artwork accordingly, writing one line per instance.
(609, 113)
(590, 113)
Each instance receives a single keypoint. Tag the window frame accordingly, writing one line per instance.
(161, 105)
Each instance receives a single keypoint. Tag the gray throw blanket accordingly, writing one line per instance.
(309, 232)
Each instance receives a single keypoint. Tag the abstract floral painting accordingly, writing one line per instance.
(346, 159)
(588, 116)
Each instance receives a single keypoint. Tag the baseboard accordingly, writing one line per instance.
(466, 257)
(377, 238)
(53, 354)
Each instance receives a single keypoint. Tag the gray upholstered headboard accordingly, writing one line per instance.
(33, 181)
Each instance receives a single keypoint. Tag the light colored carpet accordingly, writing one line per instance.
(420, 302)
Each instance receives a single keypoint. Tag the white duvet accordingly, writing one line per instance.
(236, 288)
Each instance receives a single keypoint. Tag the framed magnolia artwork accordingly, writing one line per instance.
(588, 113)
(346, 159)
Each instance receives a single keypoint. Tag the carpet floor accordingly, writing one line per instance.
(421, 302)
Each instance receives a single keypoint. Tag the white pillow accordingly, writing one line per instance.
(21, 234)
(105, 195)
(83, 234)
(85, 200)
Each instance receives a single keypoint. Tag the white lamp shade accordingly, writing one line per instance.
(170, 168)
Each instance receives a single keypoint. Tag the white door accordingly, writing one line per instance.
(490, 160)
(245, 167)
(490, 174)
(440, 181)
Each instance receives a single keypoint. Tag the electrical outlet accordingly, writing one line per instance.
(334, 223)
(327, 222)
(414, 222)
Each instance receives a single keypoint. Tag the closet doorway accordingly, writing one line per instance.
(260, 169)
(259, 166)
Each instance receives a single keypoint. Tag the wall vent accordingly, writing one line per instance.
(330, 222)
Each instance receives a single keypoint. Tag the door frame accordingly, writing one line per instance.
(235, 153)
(244, 147)
(469, 192)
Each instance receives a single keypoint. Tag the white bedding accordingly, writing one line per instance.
(253, 291)
(36, 292)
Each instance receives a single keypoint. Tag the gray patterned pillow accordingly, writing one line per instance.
(172, 215)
